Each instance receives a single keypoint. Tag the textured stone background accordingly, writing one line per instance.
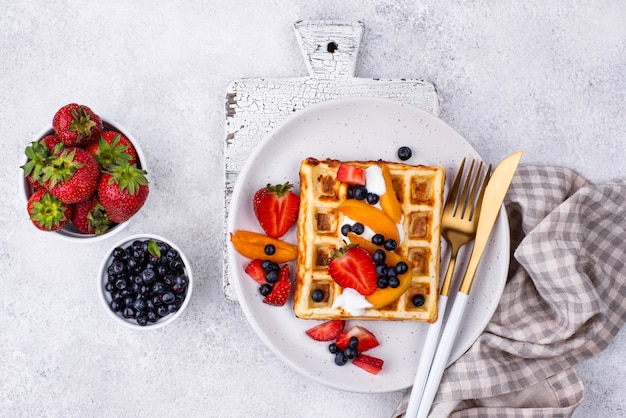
(545, 76)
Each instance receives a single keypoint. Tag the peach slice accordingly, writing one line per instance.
(368, 215)
(252, 245)
(383, 297)
(389, 200)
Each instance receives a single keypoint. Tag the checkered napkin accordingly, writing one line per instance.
(564, 301)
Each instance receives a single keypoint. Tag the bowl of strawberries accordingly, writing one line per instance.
(84, 177)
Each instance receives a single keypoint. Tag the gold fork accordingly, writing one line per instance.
(458, 226)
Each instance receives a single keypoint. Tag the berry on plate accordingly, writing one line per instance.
(47, 212)
(367, 340)
(354, 267)
(71, 175)
(123, 190)
(370, 364)
(112, 148)
(326, 331)
(90, 217)
(370, 216)
(77, 125)
(276, 208)
(253, 245)
(255, 270)
(279, 294)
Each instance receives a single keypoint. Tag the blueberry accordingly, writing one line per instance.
(402, 267)
(390, 245)
(358, 228)
(140, 304)
(270, 249)
(265, 289)
(404, 153)
(128, 313)
(345, 229)
(418, 300)
(382, 282)
(120, 253)
(381, 269)
(379, 256)
(372, 198)
(360, 193)
(271, 276)
(171, 254)
(353, 342)
(182, 280)
(350, 192)
(158, 287)
(172, 308)
(333, 348)
(162, 311)
(148, 276)
(340, 358)
(351, 352)
(391, 271)
(116, 306)
(142, 320)
(317, 295)
(120, 284)
(176, 264)
(168, 297)
(394, 282)
(378, 239)
(117, 267)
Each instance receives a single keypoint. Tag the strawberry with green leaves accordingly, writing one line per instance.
(354, 267)
(276, 208)
(38, 154)
(77, 125)
(90, 217)
(112, 148)
(123, 190)
(47, 212)
(71, 175)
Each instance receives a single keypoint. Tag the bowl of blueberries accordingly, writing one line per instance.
(145, 282)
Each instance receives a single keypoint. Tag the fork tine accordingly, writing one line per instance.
(464, 198)
(479, 200)
(452, 196)
(471, 200)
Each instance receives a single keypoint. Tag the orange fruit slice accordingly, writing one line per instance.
(383, 297)
(370, 216)
(252, 245)
(389, 200)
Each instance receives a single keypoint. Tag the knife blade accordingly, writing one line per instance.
(495, 191)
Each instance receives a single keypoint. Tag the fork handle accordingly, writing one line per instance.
(442, 356)
(426, 359)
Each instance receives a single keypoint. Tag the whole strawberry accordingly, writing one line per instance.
(123, 190)
(113, 148)
(38, 154)
(47, 212)
(72, 175)
(276, 208)
(77, 125)
(90, 217)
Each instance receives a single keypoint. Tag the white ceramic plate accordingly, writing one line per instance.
(358, 129)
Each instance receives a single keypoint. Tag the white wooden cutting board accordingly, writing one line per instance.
(254, 106)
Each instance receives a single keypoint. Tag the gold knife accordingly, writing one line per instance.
(492, 203)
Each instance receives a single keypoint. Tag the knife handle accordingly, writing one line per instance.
(426, 359)
(442, 356)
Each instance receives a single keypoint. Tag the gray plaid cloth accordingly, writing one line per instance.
(564, 301)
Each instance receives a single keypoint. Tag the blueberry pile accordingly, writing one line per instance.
(146, 281)
(348, 353)
(361, 193)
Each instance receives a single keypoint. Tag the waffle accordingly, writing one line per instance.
(420, 192)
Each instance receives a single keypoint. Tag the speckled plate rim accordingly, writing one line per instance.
(352, 129)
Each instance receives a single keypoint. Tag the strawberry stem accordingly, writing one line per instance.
(61, 167)
(279, 189)
(128, 177)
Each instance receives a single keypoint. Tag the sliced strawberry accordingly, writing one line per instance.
(276, 208)
(255, 270)
(367, 340)
(279, 295)
(349, 174)
(326, 331)
(283, 274)
(370, 364)
(354, 267)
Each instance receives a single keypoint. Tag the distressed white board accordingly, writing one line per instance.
(254, 106)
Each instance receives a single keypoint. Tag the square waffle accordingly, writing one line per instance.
(419, 190)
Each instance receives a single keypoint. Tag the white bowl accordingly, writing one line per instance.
(69, 232)
(106, 298)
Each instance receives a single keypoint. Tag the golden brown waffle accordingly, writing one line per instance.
(420, 192)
